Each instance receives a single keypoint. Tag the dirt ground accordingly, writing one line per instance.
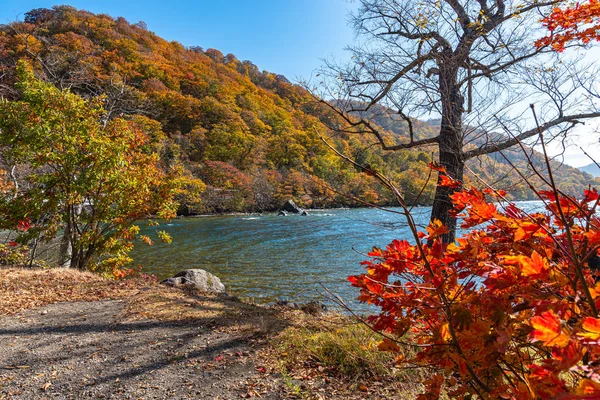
(102, 349)
(67, 334)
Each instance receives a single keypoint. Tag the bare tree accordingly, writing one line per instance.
(472, 63)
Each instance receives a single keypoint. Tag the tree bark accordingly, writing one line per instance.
(68, 255)
(66, 248)
(450, 147)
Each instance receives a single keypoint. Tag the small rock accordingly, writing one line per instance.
(314, 307)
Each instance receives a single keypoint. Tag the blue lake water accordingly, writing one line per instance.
(265, 257)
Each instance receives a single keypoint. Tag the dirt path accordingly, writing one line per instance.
(96, 350)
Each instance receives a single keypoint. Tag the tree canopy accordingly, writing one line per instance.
(88, 179)
(468, 62)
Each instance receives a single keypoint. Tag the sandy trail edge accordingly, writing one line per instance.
(90, 350)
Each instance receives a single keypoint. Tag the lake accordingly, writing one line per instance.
(265, 257)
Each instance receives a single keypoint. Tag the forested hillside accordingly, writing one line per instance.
(252, 139)
(591, 169)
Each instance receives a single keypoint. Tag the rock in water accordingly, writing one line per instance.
(282, 213)
(198, 278)
(290, 206)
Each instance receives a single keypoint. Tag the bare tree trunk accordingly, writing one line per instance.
(450, 145)
(66, 248)
(68, 257)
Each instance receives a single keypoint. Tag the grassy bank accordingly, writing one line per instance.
(325, 355)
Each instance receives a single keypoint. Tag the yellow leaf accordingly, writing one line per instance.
(445, 332)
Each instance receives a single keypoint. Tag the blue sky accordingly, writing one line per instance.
(288, 37)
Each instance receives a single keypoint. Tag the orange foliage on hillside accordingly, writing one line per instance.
(204, 107)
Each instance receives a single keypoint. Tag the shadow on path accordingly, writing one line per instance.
(204, 349)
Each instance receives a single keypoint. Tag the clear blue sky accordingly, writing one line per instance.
(288, 37)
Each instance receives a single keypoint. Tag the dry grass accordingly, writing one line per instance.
(223, 313)
(335, 356)
(22, 289)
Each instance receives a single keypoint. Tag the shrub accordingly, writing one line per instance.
(508, 311)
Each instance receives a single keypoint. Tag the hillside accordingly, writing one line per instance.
(591, 169)
(495, 169)
(251, 137)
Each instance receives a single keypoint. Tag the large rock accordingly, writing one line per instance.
(290, 206)
(198, 278)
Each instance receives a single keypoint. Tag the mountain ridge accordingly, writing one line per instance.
(251, 136)
(591, 169)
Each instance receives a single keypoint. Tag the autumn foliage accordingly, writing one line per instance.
(85, 181)
(508, 311)
(577, 23)
(206, 111)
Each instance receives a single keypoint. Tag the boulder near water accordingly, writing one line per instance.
(291, 207)
(199, 278)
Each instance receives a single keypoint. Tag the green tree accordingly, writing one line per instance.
(86, 176)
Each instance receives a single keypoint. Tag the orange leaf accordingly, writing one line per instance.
(436, 228)
(534, 265)
(519, 234)
(548, 329)
(436, 166)
(445, 180)
(592, 326)
(588, 387)
(388, 345)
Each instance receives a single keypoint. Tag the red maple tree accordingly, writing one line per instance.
(580, 22)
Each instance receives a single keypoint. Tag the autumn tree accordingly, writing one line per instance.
(86, 179)
(468, 62)
(509, 310)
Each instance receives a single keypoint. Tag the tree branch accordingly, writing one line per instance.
(573, 119)
(370, 129)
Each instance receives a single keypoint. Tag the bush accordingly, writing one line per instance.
(508, 311)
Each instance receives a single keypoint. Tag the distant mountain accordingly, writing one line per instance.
(591, 169)
(493, 168)
(251, 136)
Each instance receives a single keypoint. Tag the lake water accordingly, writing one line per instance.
(266, 257)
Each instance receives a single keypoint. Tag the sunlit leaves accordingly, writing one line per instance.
(575, 23)
(591, 327)
(513, 300)
(90, 179)
(547, 328)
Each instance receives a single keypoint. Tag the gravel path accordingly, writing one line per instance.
(90, 350)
